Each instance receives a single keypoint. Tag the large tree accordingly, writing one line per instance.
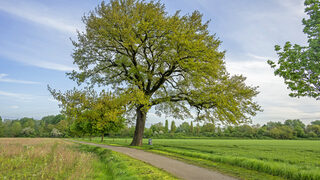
(171, 62)
(300, 65)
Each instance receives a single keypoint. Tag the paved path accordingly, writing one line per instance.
(177, 168)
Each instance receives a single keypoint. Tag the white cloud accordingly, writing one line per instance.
(14, 107)
(274, 96)
(3, 78)
(296, 7)
(36, 14)
(52, 100)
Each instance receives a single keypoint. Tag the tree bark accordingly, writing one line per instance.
(140, 123)
(102, 136)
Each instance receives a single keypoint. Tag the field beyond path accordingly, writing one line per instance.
(175, 167)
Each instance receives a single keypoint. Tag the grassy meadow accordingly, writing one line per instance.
(246, 159)
(45, 158)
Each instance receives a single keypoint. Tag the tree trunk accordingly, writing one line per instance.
(140, 123)
(102, 137)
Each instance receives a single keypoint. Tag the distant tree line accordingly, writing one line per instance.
(290, 129)
(59, 126)
(48, 126)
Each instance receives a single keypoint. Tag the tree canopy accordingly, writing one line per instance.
(91, 113)
(300, 65)
(171, 61)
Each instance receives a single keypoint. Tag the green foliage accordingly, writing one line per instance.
(191, 127)
(314, 129)
(28, 132)
(208, 127)
(282, 132)
(297, 126)
(299, 65)
(317, 122)
(170, 61)
(197, 129)
(166, 127)
(15, 129)
(173, 127)
(27, 122)
(91, 113)
(28, 127)
(1, 127)
(52, 119)
(157, 128)
(184, 128)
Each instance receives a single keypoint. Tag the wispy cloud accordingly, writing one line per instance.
(25, 57)
(53, 66)
(3, 78)
(16, 95)
(34, 15)
(264, 58)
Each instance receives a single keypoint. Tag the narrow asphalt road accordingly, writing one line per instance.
(177, 168)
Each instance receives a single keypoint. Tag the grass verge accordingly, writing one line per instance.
(246, 159)
(119, 166)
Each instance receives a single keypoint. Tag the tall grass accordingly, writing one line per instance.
(42, 159)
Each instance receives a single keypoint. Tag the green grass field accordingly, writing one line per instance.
(45, 158)
(247, 159)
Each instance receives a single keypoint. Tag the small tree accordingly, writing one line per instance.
(108, 111)
(166, 127)
(299, 65)
(198, 129)
(191, 127)
(173, 127)
(92, 113)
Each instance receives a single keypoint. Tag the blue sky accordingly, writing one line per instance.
(35, 51)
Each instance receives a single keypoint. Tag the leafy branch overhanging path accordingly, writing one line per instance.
(175, 167)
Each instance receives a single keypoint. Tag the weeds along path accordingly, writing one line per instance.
(175, 167)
